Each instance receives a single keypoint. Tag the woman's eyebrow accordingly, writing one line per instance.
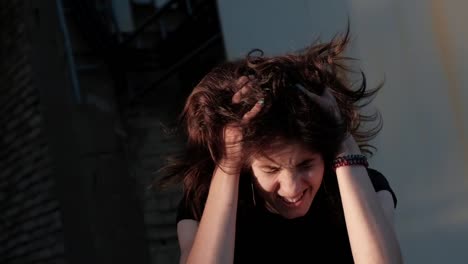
(268, 166)
(305, 162)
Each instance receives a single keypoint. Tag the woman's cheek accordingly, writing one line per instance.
(266, 183)
(315, 176)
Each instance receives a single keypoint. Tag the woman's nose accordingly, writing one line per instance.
(290, 184)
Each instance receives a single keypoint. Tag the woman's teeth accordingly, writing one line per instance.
(293, 200)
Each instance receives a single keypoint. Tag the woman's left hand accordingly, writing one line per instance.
(327, 100)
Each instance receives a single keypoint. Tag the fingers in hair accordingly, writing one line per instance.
(242, 92)
(308, 93)
(324, 100)
(254, 111)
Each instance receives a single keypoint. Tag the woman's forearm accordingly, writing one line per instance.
(214, 241)
(372, 236)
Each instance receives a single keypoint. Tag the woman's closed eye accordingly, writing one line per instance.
(306, 166)
(270, 170)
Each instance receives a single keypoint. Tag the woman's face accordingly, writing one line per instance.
(287, 178)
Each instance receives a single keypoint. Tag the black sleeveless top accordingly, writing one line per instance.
(319, 237)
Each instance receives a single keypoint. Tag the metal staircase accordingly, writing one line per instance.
(164, 39)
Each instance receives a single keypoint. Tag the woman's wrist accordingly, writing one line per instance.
(349, 146)
(230, 168)
(350, 160)
(349, 154)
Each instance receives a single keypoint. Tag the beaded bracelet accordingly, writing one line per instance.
(348, 160)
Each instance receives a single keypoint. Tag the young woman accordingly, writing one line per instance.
(274, 167)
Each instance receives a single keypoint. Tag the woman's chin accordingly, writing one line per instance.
(296, 209)
(292, 215)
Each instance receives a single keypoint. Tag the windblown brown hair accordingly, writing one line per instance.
(288, 113)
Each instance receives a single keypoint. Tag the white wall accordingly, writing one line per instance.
(277, 26)
(419, 47)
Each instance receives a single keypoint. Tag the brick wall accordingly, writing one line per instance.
(30, 217)
(81, 209)
(148, 146)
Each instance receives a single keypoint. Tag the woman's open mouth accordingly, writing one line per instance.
(295, 201)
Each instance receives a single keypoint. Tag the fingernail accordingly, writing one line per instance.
(261, 101)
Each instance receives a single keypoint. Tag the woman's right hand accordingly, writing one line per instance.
(233, 135)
